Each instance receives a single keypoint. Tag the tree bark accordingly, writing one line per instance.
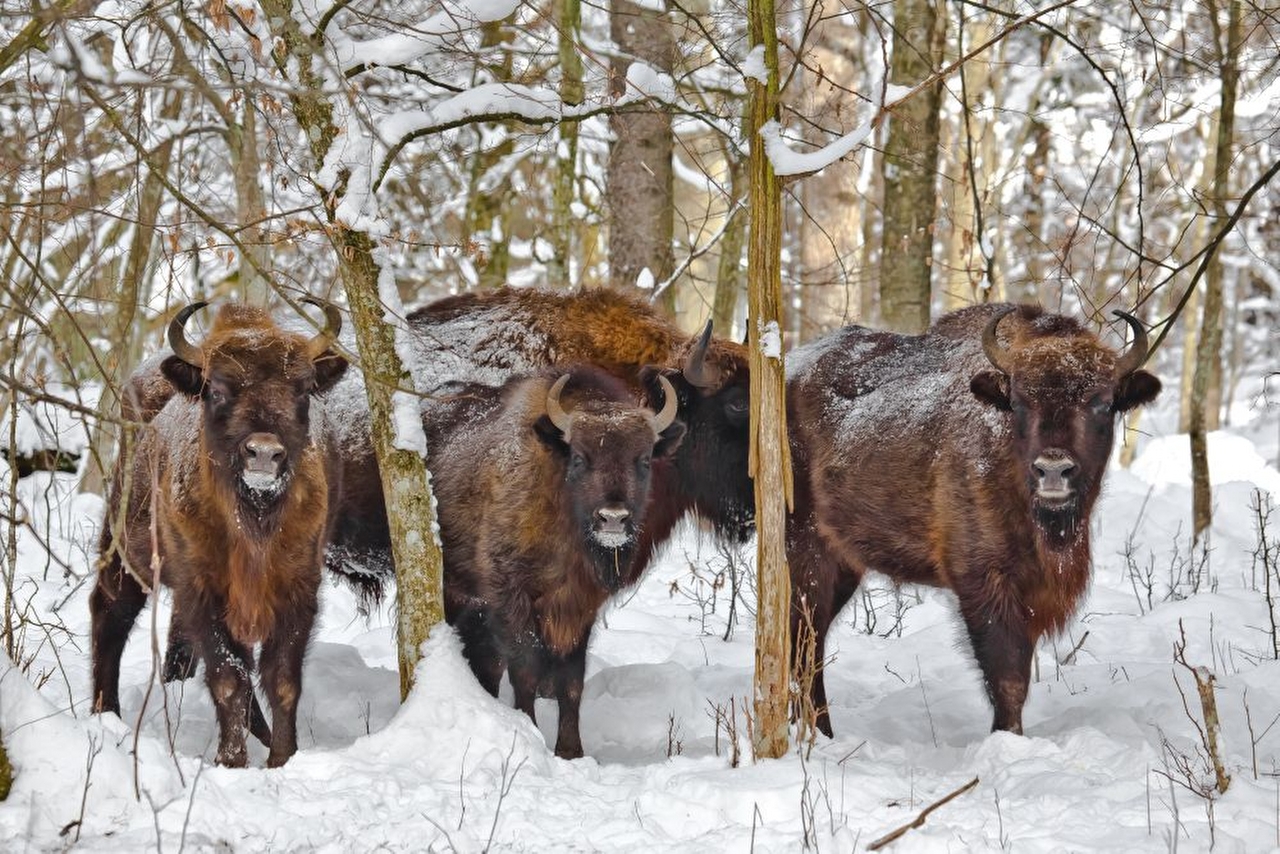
(1208, 355)
(485, 207)
(911, 168)
(559, 271)
(770, 463)
(729, 269)
(640, 179)
(406, 484)
(6, 773)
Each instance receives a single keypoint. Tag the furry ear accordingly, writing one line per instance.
(183, 376)
(669, 440)
(1134, 390)
(329, 369)
(992, 388)
(653, 390)
(550, 435)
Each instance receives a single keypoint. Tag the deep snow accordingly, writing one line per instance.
(910, 715)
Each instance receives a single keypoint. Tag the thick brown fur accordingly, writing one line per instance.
(490, 336)
(526, 571)
(914, 458)
(244, 562)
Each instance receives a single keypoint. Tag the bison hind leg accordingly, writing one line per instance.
(114, 604)
(179, 656)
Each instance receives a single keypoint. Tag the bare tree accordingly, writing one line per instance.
(911, 167)
(770, 458)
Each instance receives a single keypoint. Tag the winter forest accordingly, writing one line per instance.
(362, 172)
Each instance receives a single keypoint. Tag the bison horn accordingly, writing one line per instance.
(182, 348)
(332, 326)
(662, 420)
(995, 353)
(696, 370)
(555, 411)
(1130, 360)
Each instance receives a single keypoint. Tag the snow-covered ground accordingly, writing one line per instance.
(1110, 756)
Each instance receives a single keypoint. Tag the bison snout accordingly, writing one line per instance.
(1053, 474)
(263, 457)
(612, 526)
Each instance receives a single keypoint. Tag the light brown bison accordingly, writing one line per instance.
(968, 458)
(241, 485)
(543, 487)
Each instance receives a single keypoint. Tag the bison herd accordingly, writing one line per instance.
(568, 434)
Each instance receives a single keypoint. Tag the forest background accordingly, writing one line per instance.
(1084, 155)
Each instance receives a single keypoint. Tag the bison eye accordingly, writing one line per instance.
(217, 393)
(737, 408)
(577, 462)
(643, 463)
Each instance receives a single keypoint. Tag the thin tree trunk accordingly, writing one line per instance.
(123, 329)
(640, 179)
(911, 168)
(729, 272)
(485, 207)
(1208, 352)
(406, 485)
(6, 773)
(251, 207)
(770, 463)
(559, 270)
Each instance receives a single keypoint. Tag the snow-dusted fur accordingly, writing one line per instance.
(915, 458)
(242, 488)
(528, 514)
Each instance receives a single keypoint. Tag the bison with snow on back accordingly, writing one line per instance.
(968, 458)
(489, 337)
(229, 495)
(542, 490)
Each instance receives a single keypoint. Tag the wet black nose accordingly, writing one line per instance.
(263, 453)
(613, 518)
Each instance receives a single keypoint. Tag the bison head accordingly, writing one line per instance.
(607, 447)
(1063, 389)
(715, 406)
(254, 383)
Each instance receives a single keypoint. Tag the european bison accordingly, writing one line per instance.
(230, 495)
(490, 336)
(542, 490)
(969, 458)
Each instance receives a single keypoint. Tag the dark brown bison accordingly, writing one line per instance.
(969, 458)
(542, 489)
(491, 336)
(230, 494)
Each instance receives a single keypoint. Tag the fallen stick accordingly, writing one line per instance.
(891, 836)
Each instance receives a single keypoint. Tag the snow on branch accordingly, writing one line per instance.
(787, 161)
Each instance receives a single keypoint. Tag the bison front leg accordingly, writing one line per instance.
(281, 666)
(228, 665)
(1003, 647)
(179, 656)
(569, 674)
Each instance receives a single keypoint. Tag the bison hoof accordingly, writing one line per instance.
(569, 752)
(232, 758)
(179, 664)
(275, 761)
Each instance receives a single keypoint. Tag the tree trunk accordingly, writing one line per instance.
(729, 271)
(255, 285)
(640, 179)
(485, 207)
(770, 463)
(1208, 351)
(559, 271)
(6, 773)
(406, 484)
(911, 168)
(123, 328)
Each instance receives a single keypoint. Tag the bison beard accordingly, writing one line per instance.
(244, 561)
(541, 507)
(969, 458)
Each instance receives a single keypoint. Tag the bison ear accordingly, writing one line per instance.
(669, 440)
(329, 369)
(550, 435)
(183, 376)
(992, 388)
(653, 389)
(1134, 390)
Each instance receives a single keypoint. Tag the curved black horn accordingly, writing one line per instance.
(555, 411)
(182, 348)
(991, 347)
(663, 418)
(1130, 360)
(696, 370)
(332, 326)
